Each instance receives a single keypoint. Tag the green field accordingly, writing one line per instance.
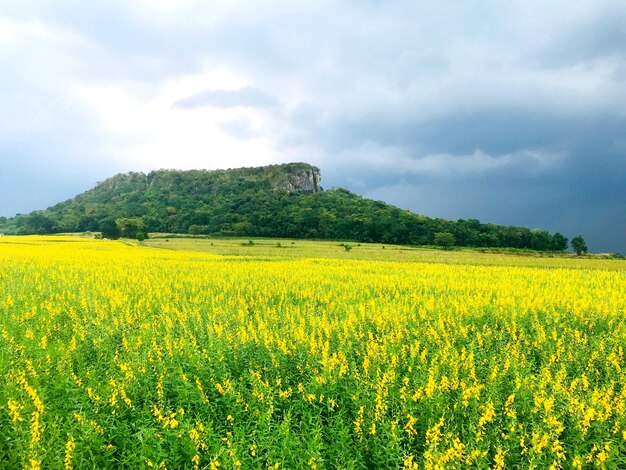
(284, 248)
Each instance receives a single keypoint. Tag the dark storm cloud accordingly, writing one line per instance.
(591, 205)
(246, 97)
(582, 191)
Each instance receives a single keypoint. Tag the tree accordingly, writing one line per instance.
(129, 226)
(540, 240)
(198, 229)
(140, 236)
(38, 223)
(109, 229)
(559, 242)
(579, 245)
(444, 239)
(87, 224)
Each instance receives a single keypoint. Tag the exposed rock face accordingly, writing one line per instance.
(114, 182)
(300, 180)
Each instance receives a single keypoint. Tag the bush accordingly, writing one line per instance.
(109, 229)
(444, 239)
(141, 236)
(199, 229)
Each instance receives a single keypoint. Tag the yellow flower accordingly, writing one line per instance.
(14, 410)
(69, 449)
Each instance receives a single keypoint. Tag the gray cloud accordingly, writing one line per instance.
(602, 36)
(29, 182)
(246, 97)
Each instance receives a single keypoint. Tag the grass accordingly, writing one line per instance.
(285, 248)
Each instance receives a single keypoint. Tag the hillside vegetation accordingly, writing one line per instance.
(271, 201)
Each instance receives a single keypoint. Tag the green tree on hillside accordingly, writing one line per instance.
(109, 229)
(37, 223)
(129, 226)
(444, 239)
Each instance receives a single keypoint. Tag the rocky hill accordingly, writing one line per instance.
(272, 201)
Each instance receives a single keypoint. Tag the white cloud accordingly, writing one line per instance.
(148, 132)
(8, 30)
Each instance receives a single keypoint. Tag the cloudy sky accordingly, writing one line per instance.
(511, 112)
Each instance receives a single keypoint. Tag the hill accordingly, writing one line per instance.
(272, 201)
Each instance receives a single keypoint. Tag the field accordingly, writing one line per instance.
(212, 354)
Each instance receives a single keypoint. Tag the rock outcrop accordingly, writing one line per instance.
(301, 180)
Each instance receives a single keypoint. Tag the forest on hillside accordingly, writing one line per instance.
(252, 202)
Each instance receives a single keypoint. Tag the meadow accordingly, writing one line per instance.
(212, 354)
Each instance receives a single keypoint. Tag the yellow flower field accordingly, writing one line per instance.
(120, 356)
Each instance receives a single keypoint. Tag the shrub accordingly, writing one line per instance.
(109, 229)
(444, 239)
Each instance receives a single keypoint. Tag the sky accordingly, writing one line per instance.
(510, 112)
